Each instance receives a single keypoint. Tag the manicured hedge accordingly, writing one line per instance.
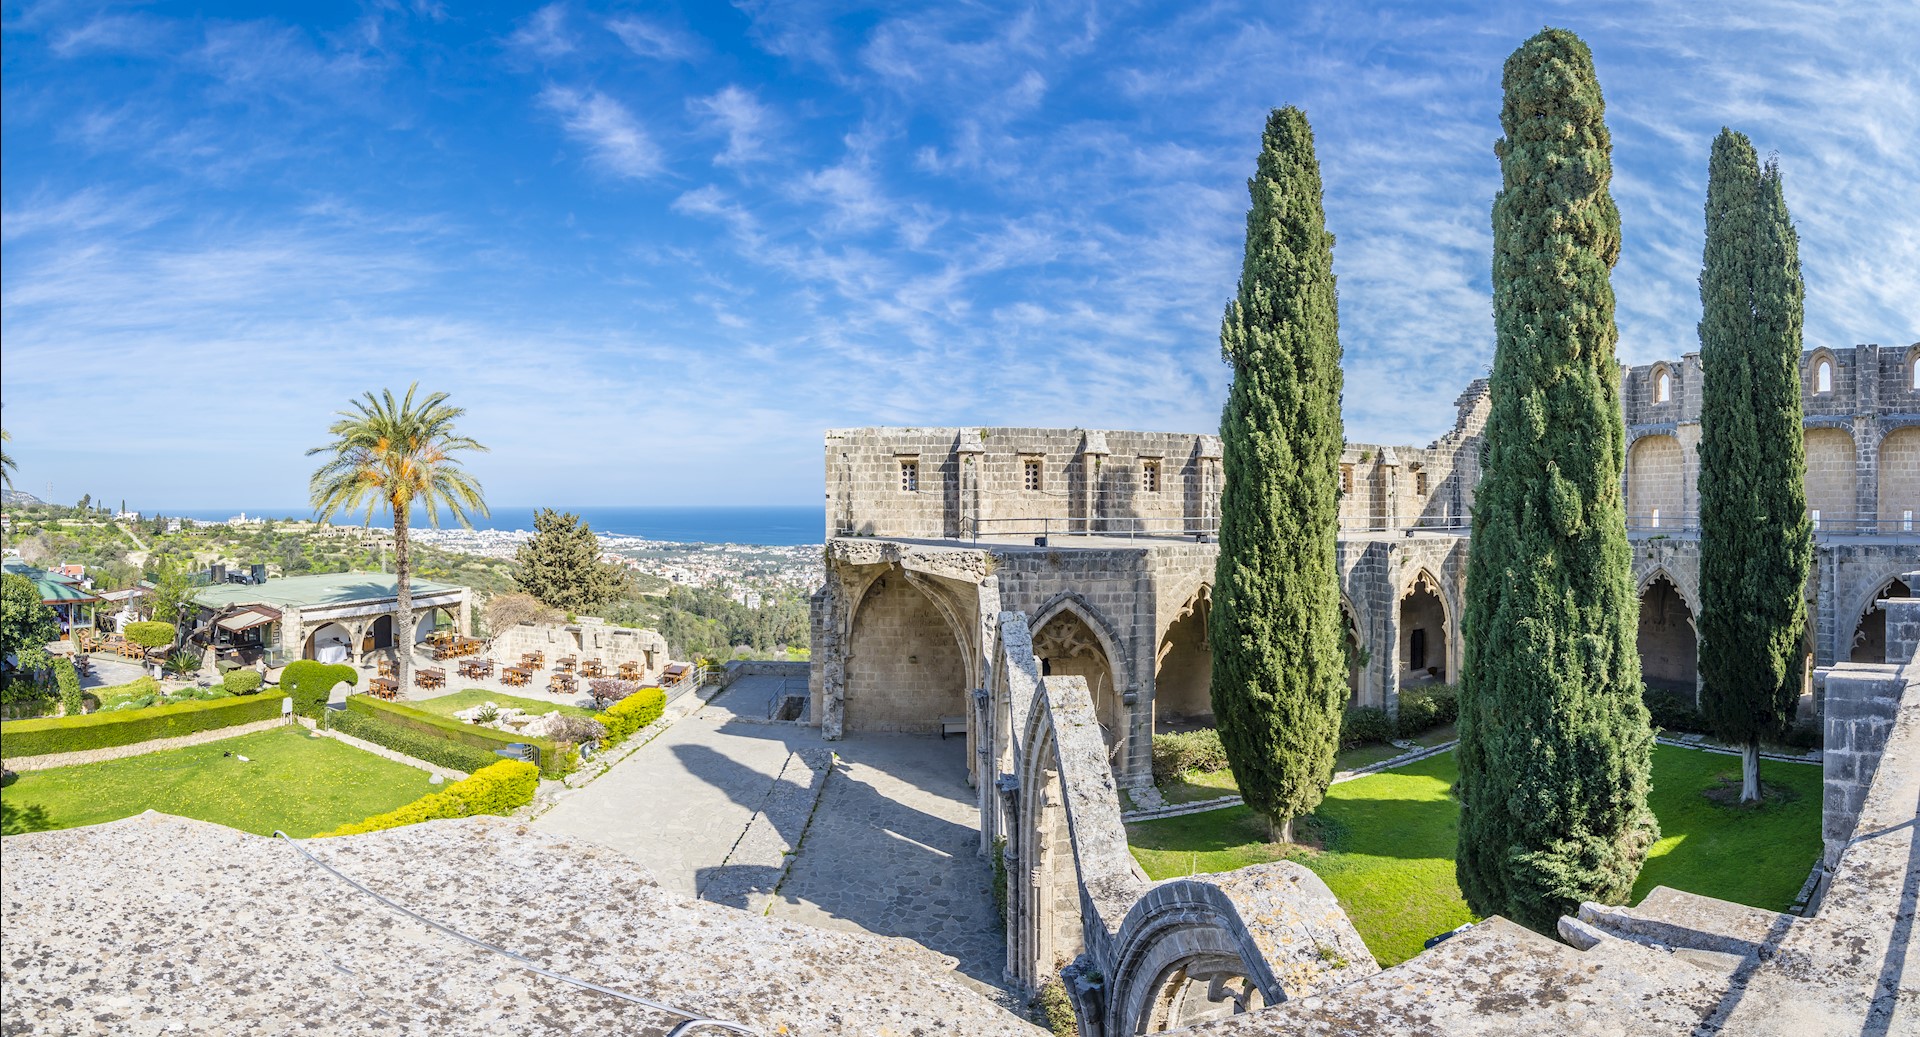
(429, 724)
(1670, 712)
(309, 682)
(1176, 754)
(497, 788)
(127, 726)
(1425, 708)
(68, 679)
(421, 746)
(1363, 724)
(632, 713)
(242, 682)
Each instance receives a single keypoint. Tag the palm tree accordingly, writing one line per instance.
(394, 455)
(7, 467)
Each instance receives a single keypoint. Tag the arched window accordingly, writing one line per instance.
(1913, 371)
(1662, 385)
(1823, 374)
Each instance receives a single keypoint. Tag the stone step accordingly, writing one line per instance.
(1713, 934)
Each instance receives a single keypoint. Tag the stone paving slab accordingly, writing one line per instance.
(757, 863)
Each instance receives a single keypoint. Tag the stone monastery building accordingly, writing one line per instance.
(1103, 540)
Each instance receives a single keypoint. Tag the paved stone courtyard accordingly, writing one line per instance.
(891, 850)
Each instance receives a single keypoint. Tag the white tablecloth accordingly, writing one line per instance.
(333, 653)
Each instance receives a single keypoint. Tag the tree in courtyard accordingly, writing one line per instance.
(560, 565)
(7, 465)
(1279, 667)
(27, 624)
(1756, 541)
(1554, 742)
(391, 456)
(508, 610)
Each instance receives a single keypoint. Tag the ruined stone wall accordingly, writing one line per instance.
(590, 638)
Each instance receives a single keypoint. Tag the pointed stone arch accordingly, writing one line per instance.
(907, 666)
(1070, 639)
(1427, 628)
(1869, 641)
(1668, 636)
(1183, 662)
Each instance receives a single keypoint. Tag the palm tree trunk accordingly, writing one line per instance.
(403, 621)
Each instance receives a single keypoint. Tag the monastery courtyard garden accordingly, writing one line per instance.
(1387, 842)
(291, 780)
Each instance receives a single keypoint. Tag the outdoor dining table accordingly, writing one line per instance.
(515, 676)
(593, 668)
(561, 681)
(384, 687)
(430, 677)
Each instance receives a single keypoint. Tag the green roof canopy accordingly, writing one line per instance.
(54, 588)
(314, 591)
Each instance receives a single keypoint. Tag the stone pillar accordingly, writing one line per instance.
(1205, 515)
(1093, 463)
(1388, 474)
(463, 615)
(970, 452)
(1688, 434)
(293, 634)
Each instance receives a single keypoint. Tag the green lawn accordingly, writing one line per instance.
(1198, 785)
(1389, 843)
(293, 781)
(448, 705)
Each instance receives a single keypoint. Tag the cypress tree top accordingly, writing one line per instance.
(1279, 672)
(1554, 742)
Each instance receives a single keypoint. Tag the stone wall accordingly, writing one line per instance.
(590, 638)
(1862, 702)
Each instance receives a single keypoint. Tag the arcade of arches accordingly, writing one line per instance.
(905, 666)
(1423, 632)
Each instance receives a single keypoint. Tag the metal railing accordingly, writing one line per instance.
(1825, 525)
(1122, 526)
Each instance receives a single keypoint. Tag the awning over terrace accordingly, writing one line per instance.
(256, 616)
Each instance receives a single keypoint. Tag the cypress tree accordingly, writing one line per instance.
(560, 565)
(1554, 743)
(1756, 541)
(1279, 671)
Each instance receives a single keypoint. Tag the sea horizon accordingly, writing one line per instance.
(771, 525)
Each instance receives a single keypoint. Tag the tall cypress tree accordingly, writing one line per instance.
(1554, 743)
(1279, 672)
(1756, 541)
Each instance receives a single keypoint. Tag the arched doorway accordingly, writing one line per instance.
(379, 635)
(1066, 645)
(1423, 633)
(905, 666)
(1356, 655)
(1183, 666)
(331, 643)
(1870, 636)
(1669, 657)
(436, 618)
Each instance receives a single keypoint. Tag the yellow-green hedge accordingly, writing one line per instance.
(632, 713)
(126, 726)
(497, 788)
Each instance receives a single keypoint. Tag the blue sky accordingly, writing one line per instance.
(655, 250)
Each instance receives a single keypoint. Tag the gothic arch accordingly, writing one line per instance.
(1667, 637)
(1419, 627)
(1096, 621)
(907, 666)
(1069, 646)
(1867, 637)
(1183, 661)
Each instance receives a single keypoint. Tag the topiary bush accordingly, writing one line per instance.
(452, 755)
(1364, 724)
(127, 726)
(632, 713)
(150, 634)
(308, 682)
(1176, 754)
(498, 788)
(68, 680)
(242, 682)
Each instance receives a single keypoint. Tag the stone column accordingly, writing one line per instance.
(1688, 435)
(970, 452)
(1206, 515)
(1093, 461)
(463, 616)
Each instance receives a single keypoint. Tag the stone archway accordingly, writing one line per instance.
(1200, 989)
(1183, 665)
(1870, 634)
(379, 635)
(329, 635)
(1423, 633)
(1352, 646)
(906, 667)
(1067, 646)
(1667, 640)
(429, 621)
(1050, 922)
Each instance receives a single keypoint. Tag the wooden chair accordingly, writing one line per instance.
(385, 667)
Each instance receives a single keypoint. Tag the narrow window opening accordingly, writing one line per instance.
(1662, 386)
(1031, 477)
(1823, 376)
(1906, 521)
(1816, 518)
(1150, 476)
(1420, 483)
(910, 476)
(1656, 518)
(1346, 479)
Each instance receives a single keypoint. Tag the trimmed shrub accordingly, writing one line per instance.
(1428, 707)
(1176, 754)
(1671, 712)
(1364, 724)
(309, 682)
(431, 725)
(150, 634)
(632, 713)
(127, 726)
(497, 788)
(68, 679)
(419, 745)
(242, 682)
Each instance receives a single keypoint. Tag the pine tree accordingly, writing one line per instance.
(561, 566)
(1279, 669)
(1756, 541)
(1554, 743)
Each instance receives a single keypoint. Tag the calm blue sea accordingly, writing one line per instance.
(776, 525)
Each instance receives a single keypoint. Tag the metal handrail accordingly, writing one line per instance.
(692, 1020)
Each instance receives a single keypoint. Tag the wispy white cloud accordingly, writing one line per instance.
(618, 143)
(650, 39)
(742, 118)
(544, 33)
